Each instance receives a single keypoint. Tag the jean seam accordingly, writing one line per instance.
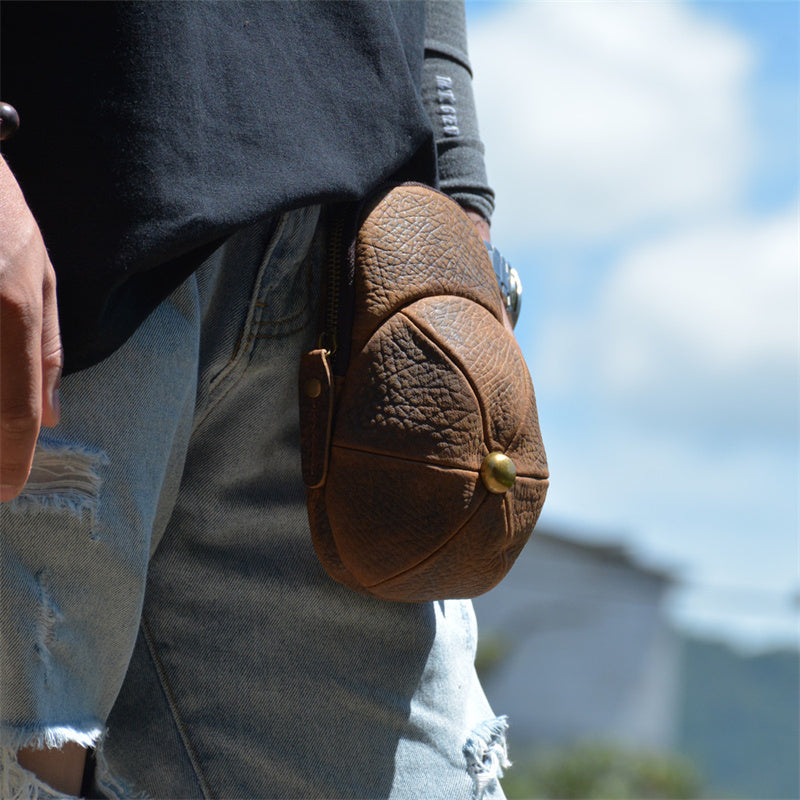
(280, 335)
(301, 313)
(183, 730)
(233, 382)
(242, 342)
(245, 345)
(266, 323)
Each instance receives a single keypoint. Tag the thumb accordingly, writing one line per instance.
(52, 353)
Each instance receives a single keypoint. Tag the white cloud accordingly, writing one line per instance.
(697, 332)
(599, 116)
(722, 298)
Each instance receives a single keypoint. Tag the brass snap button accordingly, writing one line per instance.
(498, 472)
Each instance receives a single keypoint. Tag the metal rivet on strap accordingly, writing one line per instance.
(313, 387)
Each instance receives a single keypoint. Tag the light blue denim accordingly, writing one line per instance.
(160, 594)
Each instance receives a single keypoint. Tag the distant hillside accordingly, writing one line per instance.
(739, 720)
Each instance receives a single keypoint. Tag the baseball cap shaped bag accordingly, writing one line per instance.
(422, 456)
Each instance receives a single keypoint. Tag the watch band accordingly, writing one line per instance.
(510, 284)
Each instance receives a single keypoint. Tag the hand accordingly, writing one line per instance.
(481, 224)
(30, 346)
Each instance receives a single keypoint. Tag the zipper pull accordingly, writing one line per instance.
(316, 416)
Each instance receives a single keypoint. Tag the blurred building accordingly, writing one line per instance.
(574, 645)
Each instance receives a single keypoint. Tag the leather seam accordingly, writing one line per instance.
(433, 339)
(401, 309)
(434, 553)
(427, 462)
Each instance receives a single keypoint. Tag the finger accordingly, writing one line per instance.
(507, 321)
(481, 223)
(52, 354)
(20, 389)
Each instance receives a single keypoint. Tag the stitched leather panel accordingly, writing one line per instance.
(405, 250)
(429, 505)
(492, 359)
(434, 384)
(472, 562)
(403, 396)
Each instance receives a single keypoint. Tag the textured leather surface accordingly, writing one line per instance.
(434, 384)
(417, 243)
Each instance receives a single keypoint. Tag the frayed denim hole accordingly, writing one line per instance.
(52, 737)
(486, 754)
(64, 478)
(49, 616)
(17, 783)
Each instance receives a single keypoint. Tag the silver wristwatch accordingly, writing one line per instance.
(510, 285)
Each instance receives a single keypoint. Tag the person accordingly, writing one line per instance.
(161, 607)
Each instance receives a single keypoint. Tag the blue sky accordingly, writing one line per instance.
(645, 157)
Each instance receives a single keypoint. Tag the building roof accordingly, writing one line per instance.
(611, 552)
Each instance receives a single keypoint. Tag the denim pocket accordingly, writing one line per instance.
(280, 304)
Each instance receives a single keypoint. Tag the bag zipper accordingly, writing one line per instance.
(323, 369)
(334, 339)
(329, 336)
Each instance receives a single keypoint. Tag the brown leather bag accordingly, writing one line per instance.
(422, 456)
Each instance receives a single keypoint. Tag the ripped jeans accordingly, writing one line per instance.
(159, 594)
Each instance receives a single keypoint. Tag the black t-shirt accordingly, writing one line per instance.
(152, 130)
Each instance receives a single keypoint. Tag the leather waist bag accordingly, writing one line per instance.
(422, 457)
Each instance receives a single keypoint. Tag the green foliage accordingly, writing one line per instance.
(602, 772)
(493, 649)
(739, 719)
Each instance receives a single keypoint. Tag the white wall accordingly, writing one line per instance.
(590, 654)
